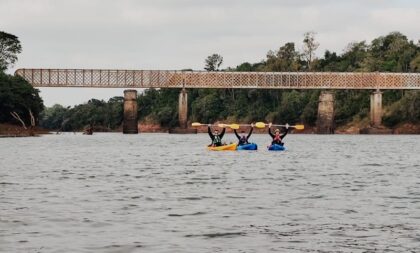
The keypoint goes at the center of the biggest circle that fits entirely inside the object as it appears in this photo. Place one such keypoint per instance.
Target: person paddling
(216, 138)
(243, 139)
(277, 136)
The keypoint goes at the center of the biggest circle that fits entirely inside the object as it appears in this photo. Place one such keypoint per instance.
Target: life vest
(217, 139)
(243, 140)
(277, 138)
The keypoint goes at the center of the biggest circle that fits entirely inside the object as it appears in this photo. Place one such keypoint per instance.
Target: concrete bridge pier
(376, 109)
(183, 115)
(183, 109)
(130, 125)
(325, 119)
(376, 126)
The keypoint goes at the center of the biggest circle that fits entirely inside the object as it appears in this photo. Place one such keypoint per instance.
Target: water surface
(167, 193)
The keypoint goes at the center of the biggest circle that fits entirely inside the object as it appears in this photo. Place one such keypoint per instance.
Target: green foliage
(17, 95)
(415, 63)
(98, 113)
(285, 59)
(407, 109)
(291, 107)
(213, 62)
(391, 53)
(10, 47)
(53, 117)
(208, 108)
(351, 103)
(248, 67)
(159, 105)
(310, 112)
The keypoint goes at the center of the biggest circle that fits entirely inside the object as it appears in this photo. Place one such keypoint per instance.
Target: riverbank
(9, 130)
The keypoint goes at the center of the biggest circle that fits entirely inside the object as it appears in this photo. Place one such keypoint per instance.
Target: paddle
(263, 125)
(233, 126)
(197, 124)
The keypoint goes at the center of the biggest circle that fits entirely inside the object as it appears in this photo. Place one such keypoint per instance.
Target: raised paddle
(233, 126)
(263, 125)
(197, 124)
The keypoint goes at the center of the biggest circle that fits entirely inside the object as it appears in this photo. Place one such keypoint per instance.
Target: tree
(285, 59)
(309, 48)
(391, 53)
(9, 48)
(213, 62)
(17, 95)
(244, 67)
(54, 117)
(415, 64)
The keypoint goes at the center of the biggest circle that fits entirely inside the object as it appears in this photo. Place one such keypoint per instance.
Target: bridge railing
(99, 78)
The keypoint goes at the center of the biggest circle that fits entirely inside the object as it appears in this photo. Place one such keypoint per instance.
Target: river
(167, 193)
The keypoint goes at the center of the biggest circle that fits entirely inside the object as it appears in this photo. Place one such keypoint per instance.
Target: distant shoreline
(9, 131)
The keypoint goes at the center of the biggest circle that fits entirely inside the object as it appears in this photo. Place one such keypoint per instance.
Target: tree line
(390, 53)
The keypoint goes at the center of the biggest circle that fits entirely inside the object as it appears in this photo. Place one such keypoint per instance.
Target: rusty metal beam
(102, 78)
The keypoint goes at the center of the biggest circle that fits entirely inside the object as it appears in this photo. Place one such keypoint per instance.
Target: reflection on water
(167, 193)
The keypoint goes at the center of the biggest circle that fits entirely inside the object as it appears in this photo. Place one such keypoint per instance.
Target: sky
(180, 34)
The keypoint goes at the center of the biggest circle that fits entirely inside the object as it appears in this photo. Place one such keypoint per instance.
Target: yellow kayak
(229, 147)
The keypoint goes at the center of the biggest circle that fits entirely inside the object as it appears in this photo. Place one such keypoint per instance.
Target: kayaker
(243, 139)
(277, 136)
(216, 138)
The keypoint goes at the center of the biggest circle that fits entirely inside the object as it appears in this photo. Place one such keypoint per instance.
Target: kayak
(276, 147)
(250, 146)
(229, 147)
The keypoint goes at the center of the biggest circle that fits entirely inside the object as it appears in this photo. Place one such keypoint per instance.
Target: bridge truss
(98, 78)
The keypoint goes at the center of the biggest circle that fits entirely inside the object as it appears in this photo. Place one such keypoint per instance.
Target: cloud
(397, 19)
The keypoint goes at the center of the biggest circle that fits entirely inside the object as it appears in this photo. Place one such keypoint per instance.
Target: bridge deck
(98, 78)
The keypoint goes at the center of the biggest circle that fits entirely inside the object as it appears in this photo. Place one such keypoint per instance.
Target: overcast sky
(178, 34)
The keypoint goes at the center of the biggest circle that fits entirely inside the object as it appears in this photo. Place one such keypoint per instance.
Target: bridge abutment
(325, 119)
(130, 120)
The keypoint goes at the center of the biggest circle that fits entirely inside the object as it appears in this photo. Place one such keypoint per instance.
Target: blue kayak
(276, 147)
(250, 146)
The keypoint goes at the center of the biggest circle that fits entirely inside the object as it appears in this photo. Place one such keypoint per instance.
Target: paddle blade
(260, 124)
(234, 126)
(299, 127)
(196, 124)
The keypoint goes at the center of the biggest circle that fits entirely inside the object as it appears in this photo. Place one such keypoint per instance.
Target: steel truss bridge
(104, 78)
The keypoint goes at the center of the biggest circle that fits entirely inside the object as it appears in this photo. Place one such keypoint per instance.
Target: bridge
(97, 78)
(105, 78)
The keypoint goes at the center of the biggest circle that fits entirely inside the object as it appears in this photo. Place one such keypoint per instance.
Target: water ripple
(134, 193)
